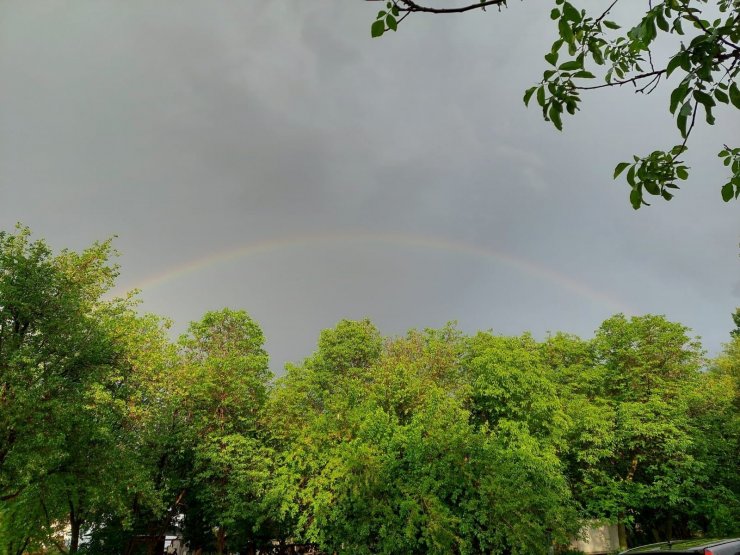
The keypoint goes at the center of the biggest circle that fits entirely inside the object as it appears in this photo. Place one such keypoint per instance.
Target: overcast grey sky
(398, 178)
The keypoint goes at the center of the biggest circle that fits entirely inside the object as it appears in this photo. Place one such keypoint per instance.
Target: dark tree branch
(10, 496)
(412, 6)
(706, 31)
(606, 12)
(654, 74)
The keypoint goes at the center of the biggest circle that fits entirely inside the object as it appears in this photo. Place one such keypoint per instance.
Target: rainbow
(525, 266)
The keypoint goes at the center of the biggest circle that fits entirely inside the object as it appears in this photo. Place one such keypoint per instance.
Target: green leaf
(676, 61)
(570, 13)
(704, 98)
(391, 22)
(571, 65)
(377, 29)
(652, 187)
(554, 14)
(620, 168)
(682, 122)
(541, 96)
(636, 198)
(596, 53)
(682, 173)
(631, 176)
(611, 25)
(565, 31)
(661, 21)
(552, 58)
(678, 94)
(735, 95)
(528, 95)
(683, 118)
(727, 192)
(554, 113)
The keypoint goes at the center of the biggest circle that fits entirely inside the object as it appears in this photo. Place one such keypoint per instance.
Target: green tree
(59, 364)
(631, 395)
(226, 380)
(704, 64)
(510, 386)
(151, 431)
(718, 443)
(394, 454)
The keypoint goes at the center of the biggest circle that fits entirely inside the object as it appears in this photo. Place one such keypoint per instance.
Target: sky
(270, 156)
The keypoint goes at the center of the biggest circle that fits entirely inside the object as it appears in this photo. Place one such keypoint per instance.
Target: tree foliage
(113, 435)
(225, 376)
(703, 66)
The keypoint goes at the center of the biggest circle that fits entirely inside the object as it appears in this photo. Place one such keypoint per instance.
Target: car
(730, 546)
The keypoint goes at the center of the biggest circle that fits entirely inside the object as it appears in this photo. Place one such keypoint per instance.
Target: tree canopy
(113, 435)
(593, 51)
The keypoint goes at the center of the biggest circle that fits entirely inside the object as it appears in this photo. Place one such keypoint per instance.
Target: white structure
(598, 540)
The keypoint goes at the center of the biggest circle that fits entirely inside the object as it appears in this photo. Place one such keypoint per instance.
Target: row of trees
(434, 442)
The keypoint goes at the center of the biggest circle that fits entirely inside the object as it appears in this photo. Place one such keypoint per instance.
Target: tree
(634, 397)
(85, 403)
(225, 374)
(408, 449)
(718, 442)
(151, 431)
(59, 369)
(704, 63)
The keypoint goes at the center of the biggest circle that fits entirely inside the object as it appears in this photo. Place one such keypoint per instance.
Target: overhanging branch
(413, 6)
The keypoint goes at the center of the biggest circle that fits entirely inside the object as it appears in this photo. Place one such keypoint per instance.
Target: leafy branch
(708, 57)
(388, 19)
(710, 62)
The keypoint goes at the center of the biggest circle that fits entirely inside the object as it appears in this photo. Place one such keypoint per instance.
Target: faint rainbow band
(394, 239)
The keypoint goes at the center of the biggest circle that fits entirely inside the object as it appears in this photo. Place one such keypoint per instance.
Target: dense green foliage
(701, 37)
(433, 442)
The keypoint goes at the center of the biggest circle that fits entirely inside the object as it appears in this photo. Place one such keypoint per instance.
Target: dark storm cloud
(190, 129)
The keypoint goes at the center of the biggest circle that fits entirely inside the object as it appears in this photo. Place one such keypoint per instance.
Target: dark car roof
(682, 546)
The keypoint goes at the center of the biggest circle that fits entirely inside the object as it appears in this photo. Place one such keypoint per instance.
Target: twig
(606, 12)
(688, 132)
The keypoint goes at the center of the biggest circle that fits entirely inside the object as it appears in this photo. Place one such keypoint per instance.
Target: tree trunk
(159, 547)
(74, 531)
(621, 529)
(622, 533)
(669, 529)
(22, 549)
(220, 540)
